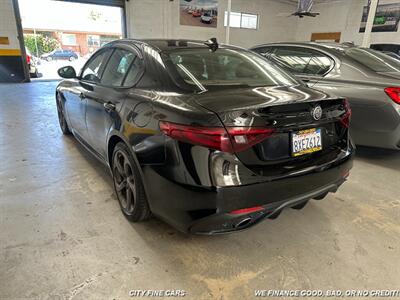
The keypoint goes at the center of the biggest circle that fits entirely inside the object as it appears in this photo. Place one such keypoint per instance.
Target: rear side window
(302, 61)
(117, 67)
(264, 51)
(134, 72)
(374, 60)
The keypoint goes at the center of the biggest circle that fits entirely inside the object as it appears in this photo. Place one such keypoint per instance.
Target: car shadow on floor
(383, 157)
(97, 165)
(156, 227)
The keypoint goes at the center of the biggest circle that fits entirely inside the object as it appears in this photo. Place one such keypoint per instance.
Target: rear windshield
(374, 60)
(224, 68)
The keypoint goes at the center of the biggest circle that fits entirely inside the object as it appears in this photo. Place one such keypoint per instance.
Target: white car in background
(206, 18)
(32, 63)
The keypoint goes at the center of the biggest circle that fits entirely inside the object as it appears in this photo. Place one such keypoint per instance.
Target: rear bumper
(207, 210)
(376, 126)
(384, 139)
(225, 222)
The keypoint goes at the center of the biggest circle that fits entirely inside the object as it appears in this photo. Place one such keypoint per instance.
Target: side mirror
(67, 72)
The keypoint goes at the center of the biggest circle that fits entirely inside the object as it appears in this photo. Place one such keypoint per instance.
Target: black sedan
(210, 138)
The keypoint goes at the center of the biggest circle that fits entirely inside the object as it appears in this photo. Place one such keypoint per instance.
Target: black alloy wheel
(128, 185)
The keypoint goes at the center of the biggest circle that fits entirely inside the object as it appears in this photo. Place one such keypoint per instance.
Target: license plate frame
(306, 141)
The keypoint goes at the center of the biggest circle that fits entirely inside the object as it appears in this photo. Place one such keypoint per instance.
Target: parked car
(32, 64)
(369, 79)
(210, 138)
(60, 54)
(392, 54)
(206, 18)
(196, 14)
(395, 48)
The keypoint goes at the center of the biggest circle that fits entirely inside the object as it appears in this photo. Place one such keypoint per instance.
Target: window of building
(241, 20)
(104, 39)
(93, 40)
(69, 39)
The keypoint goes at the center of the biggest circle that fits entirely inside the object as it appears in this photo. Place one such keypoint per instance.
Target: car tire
(61, 116)
(300, 206)
(34, 75)
(128, 185)
(72, 58)
(49, 58)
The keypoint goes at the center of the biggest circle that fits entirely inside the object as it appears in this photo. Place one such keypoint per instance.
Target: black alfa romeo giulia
(210, 138)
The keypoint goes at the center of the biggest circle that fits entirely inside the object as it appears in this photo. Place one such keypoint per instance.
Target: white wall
(8, 27)
(274, 25)
(160, 19)
(342, 16)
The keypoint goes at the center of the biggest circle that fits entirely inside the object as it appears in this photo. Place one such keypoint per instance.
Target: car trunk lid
(286, 111)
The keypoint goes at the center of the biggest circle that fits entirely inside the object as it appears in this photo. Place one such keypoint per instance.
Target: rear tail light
(28, 59)
(244, 138)
(345, 120)
(393, 93)
(231, 139)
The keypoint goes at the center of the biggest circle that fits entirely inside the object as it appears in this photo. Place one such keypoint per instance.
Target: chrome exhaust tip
(243, 222)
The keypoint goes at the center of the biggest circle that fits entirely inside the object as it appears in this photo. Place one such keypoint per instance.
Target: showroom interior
(62, 232)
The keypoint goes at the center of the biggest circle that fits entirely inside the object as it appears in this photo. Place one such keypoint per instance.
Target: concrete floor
(62, 235)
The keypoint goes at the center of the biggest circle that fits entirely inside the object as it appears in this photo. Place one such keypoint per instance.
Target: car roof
(170, 44)
(319, 45)
(385, 44)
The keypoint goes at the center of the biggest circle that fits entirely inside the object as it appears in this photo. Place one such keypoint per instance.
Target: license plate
(306, 141)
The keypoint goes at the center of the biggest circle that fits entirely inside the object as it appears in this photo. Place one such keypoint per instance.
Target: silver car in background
(369, 79)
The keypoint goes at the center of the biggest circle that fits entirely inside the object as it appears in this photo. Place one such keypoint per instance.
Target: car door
(58, 54)
(54, 54)
(75, 97)
(105, 99)
(64, 54)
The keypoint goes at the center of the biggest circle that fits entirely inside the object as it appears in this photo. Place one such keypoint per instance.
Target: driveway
(48, 69)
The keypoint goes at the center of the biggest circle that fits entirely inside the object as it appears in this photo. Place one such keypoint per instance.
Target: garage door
(119, 3)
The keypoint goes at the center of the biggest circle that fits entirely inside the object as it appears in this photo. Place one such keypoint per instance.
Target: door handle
(109, 106)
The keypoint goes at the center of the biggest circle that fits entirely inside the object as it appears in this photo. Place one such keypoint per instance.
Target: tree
(44, 43)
